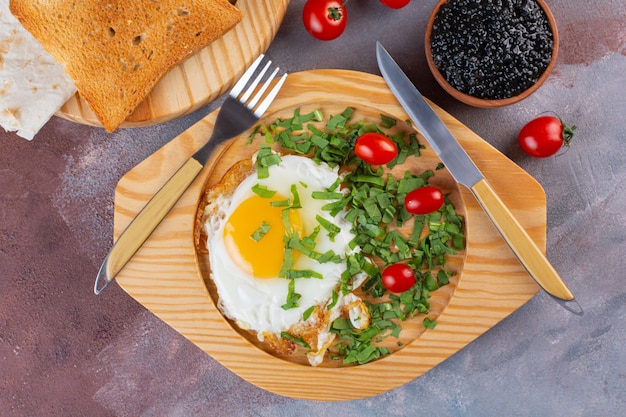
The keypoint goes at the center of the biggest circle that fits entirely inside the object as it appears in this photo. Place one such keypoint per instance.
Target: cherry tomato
(324, 19)
(544, 136)
(395, 4)
(375, 148)
(423, 200)
(398, 277)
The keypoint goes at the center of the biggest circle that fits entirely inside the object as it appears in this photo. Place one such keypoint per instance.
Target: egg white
(255, 303)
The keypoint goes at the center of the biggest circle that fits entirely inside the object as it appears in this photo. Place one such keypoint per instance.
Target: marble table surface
(67, 352)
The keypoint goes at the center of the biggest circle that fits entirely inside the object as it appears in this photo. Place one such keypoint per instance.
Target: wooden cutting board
(165, 275)
(203, 77)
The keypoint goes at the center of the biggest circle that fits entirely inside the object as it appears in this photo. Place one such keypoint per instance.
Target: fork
(238, 113)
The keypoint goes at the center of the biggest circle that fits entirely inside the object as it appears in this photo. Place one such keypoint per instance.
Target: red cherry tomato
(423, 200)
(395, 4)
(375, 148)
(398, 277)
(324, 19)
(544, 136)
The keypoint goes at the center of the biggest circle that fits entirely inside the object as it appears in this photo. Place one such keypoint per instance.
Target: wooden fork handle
(520, 242)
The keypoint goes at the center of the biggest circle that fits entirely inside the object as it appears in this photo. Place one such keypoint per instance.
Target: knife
(465, 172)
(239, 112)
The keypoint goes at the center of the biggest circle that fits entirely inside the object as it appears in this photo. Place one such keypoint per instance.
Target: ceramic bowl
(485, 102)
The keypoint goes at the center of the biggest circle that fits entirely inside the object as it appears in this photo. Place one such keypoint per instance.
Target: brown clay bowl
(482, 102)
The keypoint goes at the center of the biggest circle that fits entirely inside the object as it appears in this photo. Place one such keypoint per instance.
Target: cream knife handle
(142, 226)
(520, 242)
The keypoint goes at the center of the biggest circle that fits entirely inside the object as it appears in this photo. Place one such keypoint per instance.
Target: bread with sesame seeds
(116, 51)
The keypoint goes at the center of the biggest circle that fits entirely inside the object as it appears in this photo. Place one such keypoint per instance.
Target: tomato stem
(335, 12)
(568, 133)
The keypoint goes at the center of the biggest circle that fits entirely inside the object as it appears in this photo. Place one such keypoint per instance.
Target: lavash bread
(33, 86)
(116, 51)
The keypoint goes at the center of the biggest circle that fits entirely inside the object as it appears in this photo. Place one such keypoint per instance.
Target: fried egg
(246, 235)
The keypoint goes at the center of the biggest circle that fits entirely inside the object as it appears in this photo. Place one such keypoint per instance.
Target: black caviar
(491, 49)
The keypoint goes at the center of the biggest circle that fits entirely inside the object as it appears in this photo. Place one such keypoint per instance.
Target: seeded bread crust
(117, 51)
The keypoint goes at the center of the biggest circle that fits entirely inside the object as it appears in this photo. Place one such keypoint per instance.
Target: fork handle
(142, 226)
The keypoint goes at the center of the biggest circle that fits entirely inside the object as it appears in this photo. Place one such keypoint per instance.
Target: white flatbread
(33, 86)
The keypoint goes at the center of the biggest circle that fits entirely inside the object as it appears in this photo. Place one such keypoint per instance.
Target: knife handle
(142, 226)
(520, 242)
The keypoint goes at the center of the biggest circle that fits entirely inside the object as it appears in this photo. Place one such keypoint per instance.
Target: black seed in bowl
(491, 49)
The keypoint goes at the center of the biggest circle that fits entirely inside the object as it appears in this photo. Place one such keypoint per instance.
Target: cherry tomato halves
(395, 4)
(375, 148)
(544, 136)
(423, 200)
(398, 277)
(324, 19)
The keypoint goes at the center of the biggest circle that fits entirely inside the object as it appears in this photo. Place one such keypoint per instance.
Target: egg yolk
(262, 258)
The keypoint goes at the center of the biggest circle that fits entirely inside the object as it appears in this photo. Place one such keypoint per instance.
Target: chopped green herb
(303, 273)
(331, 228)
(296, 197)
(292, 296)
(317, 115)
(428, 323)
(309, 241)
(335, 298)
(370, 179)
(265, 158)
(287, 263)
(297, 340)
(387, 121)
(335, 184)
(330, 256)
(326, 195)
(374, 204)
(261, 231)
(307, 313)
(336, 122)
(263, 191)
(280, 203)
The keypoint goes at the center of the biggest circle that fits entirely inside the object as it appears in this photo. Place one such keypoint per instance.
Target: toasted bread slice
(117, 51)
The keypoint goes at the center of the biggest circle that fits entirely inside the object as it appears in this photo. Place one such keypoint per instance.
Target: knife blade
(465, 172)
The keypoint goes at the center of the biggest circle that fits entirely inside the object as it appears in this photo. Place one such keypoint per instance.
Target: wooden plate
(203, 77)
(165, 275)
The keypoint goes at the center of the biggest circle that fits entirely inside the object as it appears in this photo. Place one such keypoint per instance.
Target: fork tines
(246, 77)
